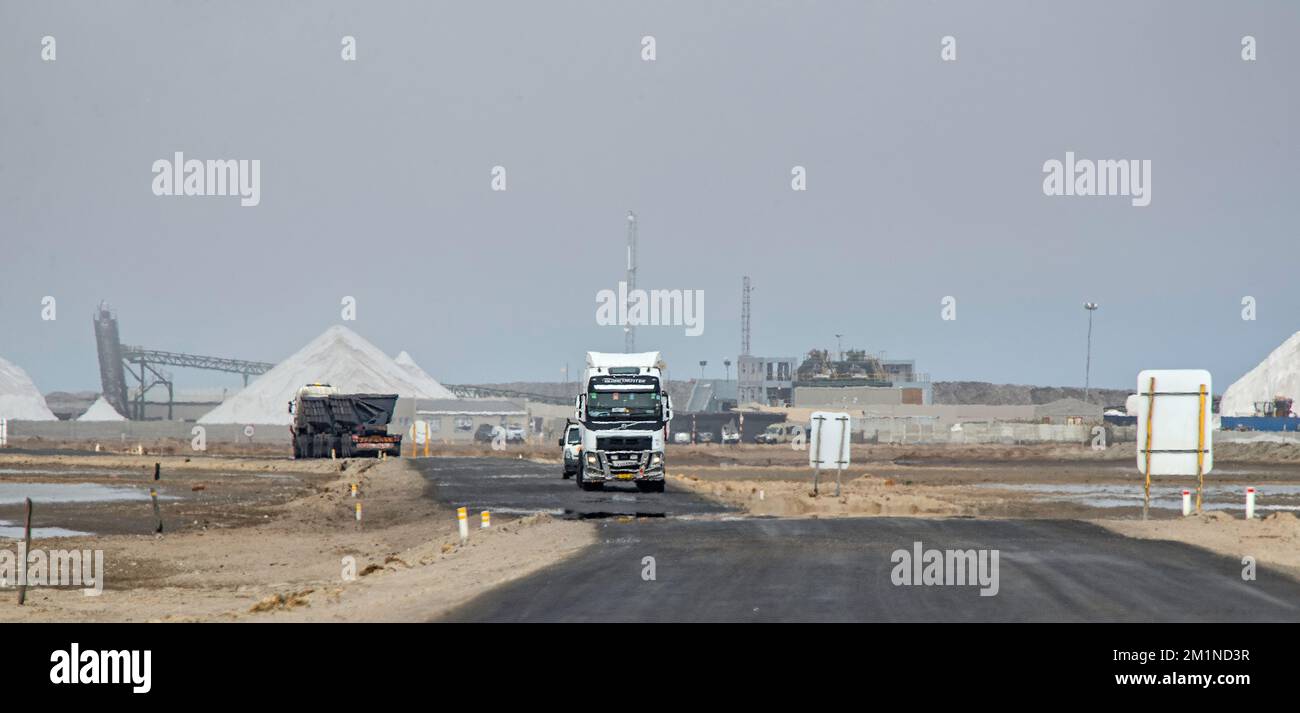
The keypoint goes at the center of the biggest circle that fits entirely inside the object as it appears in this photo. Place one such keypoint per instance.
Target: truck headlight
(656, 459)
(591, 460)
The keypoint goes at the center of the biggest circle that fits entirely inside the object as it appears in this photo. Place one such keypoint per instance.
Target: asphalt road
(759, 569)
(518, 487)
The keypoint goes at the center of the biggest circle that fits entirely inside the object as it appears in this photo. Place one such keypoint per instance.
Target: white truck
(623, 414)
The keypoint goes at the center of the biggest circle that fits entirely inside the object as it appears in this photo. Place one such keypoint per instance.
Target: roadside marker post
(153, 494)
(1187, 502)
(1250, 503)
(1175, 438)
(486, 520)
(27, 548)
(358, 509)
(354, 490)
(462, 520)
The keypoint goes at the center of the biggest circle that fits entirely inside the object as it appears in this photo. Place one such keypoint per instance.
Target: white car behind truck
(571, 442)
(623, 414)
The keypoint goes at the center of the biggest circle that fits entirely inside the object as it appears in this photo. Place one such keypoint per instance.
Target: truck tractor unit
(327, 423)
(623, 414)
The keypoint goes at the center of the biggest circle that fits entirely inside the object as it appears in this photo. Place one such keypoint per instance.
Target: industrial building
(456, 420)
(768, 381)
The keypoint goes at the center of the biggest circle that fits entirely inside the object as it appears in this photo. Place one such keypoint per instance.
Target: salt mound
(339, 357)
(101, 410)
(1277, 375)
(19, 397)
(405, 361)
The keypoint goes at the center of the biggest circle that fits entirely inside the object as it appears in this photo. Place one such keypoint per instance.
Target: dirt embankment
(1273, 540)
(307, 559)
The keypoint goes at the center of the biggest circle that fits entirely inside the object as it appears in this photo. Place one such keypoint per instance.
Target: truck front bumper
(603, 466)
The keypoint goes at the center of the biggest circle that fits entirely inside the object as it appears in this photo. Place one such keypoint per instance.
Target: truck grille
(623, 443)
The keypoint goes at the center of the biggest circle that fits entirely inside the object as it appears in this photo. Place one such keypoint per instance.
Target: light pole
(702, 365)
(726, 364)
(1087, 367)
(839, 348)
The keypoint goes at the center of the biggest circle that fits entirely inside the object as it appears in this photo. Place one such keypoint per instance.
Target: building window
(464, 423)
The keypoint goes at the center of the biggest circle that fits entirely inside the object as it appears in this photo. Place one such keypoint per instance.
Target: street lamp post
(1087, 368)
(726, 364)
(702, 365)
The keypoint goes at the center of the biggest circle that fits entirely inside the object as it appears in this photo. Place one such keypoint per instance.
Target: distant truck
(327, 423)
(623, 414)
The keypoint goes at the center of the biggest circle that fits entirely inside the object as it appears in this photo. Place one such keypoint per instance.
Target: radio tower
(629, 331)
(744, 319)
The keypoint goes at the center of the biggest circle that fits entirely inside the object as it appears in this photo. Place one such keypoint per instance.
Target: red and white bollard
(1187, 503)
(1250, 503)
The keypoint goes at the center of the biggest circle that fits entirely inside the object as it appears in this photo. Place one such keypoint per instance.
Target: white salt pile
(19, 397)
(1277, 375)
(405, 361)
(339, 357)
(101, 410)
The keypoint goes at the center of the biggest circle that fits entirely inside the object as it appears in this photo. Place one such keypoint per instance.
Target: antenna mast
(629, 331)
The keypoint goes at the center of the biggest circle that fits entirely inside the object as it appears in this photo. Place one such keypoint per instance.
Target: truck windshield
(574, 436)
(621, 404)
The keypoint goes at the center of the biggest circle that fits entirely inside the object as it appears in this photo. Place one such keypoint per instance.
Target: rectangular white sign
(828, 440)
(1178, 420)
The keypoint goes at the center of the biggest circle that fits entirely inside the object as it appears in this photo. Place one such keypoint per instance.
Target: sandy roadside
(1273, 540)
(407, 559)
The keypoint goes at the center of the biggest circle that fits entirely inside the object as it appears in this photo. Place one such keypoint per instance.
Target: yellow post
(1200, 451)
(1151, 414)
(427, 434)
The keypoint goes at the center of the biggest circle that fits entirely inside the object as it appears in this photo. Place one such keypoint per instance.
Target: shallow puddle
(1268, 498)
(14, 493)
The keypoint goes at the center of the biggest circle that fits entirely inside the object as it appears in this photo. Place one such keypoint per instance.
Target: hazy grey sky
(924, 180)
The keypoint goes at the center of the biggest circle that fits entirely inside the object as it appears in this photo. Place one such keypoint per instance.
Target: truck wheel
(582, 481)
(650, 486)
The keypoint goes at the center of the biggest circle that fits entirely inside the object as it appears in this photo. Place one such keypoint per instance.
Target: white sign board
(828, 440)
(419, 431)
(1178, 420)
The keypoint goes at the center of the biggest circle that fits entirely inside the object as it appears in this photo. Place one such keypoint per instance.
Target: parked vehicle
(571, 442)
(514, 433)
(780, 433)
(682, 437)
(730, 437)
(484, 432)
(704, 436)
